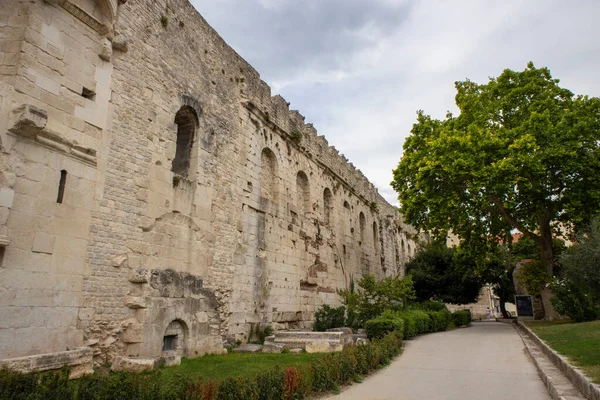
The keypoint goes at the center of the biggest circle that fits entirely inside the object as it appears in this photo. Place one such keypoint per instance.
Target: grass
(580, 342)
(237, 364)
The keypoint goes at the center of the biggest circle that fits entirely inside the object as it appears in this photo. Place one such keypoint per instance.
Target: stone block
(323, 346)
(135, 302)
(7, 196)
(28, 120)
(249, 348)
(345, 331)
(79, 359)
(43, 243)
(170, 360)
(270, 347)
(132, 364)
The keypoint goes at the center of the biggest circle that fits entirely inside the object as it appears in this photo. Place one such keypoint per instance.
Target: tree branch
(509, 218)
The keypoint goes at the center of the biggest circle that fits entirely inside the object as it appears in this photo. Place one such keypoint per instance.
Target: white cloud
(359, 72)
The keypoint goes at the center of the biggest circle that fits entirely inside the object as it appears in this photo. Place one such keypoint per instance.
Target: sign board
(524, 306)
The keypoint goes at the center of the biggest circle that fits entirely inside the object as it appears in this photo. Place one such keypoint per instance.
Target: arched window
(175, 337)
(347, 220)
(303, 192)
(362, 222)
(375, 237)
(268, 174)
(187, 122)
(327, 205)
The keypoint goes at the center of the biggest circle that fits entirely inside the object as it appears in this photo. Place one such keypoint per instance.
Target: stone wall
(104, 245)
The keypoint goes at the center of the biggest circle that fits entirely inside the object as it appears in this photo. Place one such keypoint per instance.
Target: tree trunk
(505, 314)
(547, 259)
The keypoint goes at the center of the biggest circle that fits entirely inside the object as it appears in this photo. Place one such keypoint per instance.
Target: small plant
(261, 333)
(164, 21)
(373, 207)
(176, 180)
(328, 317)
(296, 136)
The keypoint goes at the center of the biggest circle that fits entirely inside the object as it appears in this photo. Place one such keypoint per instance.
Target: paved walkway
(486, 361)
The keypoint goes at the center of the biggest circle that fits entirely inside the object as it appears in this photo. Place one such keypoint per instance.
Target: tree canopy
(522, 154)
(437, 277)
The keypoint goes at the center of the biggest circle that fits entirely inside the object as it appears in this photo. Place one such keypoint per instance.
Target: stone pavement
(486, 361)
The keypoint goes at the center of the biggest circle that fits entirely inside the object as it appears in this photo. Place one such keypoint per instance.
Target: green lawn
(580, 342)
(238, 364)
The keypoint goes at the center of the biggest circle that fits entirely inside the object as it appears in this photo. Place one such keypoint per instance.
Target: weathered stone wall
(262, 222)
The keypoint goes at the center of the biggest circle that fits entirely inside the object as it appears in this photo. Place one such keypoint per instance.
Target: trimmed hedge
(462, 318)
(325, 374)
(377, 328)
(408, 323)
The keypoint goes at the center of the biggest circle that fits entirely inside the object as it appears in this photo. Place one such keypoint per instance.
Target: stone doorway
(175, 338)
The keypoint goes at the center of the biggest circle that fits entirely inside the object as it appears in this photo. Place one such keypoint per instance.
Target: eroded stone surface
(323, 346)
(132, 364)
(190, 195)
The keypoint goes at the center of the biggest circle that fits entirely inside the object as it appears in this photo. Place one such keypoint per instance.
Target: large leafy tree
(436, 276)
(522, 154)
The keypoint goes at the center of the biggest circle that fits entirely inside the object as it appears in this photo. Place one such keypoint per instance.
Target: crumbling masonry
(154, 196)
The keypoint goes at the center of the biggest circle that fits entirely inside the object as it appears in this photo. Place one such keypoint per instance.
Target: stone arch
(403, 248)
(175, 338)
(375, 237)
(362, 224)
(268, 174)
(327, 205)
(347, 219)
(303, 193)
(186, 120)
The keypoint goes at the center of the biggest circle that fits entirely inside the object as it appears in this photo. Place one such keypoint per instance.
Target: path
(486, 361)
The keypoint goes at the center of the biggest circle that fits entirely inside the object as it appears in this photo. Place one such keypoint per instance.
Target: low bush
(328, 317)
(408, 324)
(324, 374)
(461, 318)
(440, 320)
(377, 328)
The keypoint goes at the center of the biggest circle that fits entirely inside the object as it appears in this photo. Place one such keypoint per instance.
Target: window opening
(187, 122)
(169, 342)
(61, 186)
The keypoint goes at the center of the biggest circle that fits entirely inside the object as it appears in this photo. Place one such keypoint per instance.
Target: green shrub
(462, 318)
(569, 299)
(347, 365)
(430, 305)
(328, 317)
(271, 384)
(325, 374)
(440, 320)
(379, 327)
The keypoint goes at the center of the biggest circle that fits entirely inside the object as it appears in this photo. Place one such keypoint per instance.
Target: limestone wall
(260, 224)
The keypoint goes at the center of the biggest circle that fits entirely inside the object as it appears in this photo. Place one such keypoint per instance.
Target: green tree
(493, 263)
(436, 277)
(577, 289)
(522, 154)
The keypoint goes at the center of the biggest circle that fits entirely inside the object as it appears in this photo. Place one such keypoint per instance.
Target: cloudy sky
(359, 70)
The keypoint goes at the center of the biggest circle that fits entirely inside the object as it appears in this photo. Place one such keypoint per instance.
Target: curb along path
(562, 380)
(486, 361)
